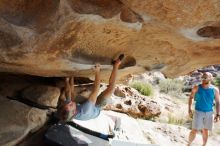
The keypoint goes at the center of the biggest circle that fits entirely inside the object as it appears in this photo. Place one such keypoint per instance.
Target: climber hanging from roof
(89, 109)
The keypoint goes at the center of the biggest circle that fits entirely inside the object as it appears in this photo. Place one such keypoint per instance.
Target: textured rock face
(43, 95)
(17, 120)
(66, 37)
(129, 101)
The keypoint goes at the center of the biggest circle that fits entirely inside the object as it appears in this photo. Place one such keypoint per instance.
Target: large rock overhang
(66, 37)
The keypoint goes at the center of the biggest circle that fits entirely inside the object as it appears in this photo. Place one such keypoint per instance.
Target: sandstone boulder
(66, 37)
(119, 92)
(128, 100)
(42, 94)
(11, 85)
(17, 120)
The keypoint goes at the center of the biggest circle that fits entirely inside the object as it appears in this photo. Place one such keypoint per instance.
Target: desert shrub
(216, 81)
(172, 87)
(143, 88)
(175, 121)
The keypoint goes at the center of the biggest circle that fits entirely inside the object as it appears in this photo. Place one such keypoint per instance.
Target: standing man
(204, 94)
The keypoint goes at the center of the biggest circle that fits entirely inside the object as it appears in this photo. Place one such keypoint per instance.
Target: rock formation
(130, 101)
(17, 120)
(66, 37)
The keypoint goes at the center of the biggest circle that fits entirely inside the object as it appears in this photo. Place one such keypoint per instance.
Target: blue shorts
(87, 111)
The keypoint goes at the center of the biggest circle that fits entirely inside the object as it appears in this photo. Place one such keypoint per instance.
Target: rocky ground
(159, 116)
(172, 135)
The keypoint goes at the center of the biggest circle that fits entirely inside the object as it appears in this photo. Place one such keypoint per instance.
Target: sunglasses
(205, 78)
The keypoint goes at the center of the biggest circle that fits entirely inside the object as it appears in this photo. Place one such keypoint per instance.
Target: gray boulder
(17, 120)
(42, 94)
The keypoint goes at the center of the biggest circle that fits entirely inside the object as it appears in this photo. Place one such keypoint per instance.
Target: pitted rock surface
(66, 37)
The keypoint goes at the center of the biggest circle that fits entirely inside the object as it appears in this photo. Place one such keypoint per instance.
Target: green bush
(143, 88)
(216, 81)
(175, 121)
(172, 87)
